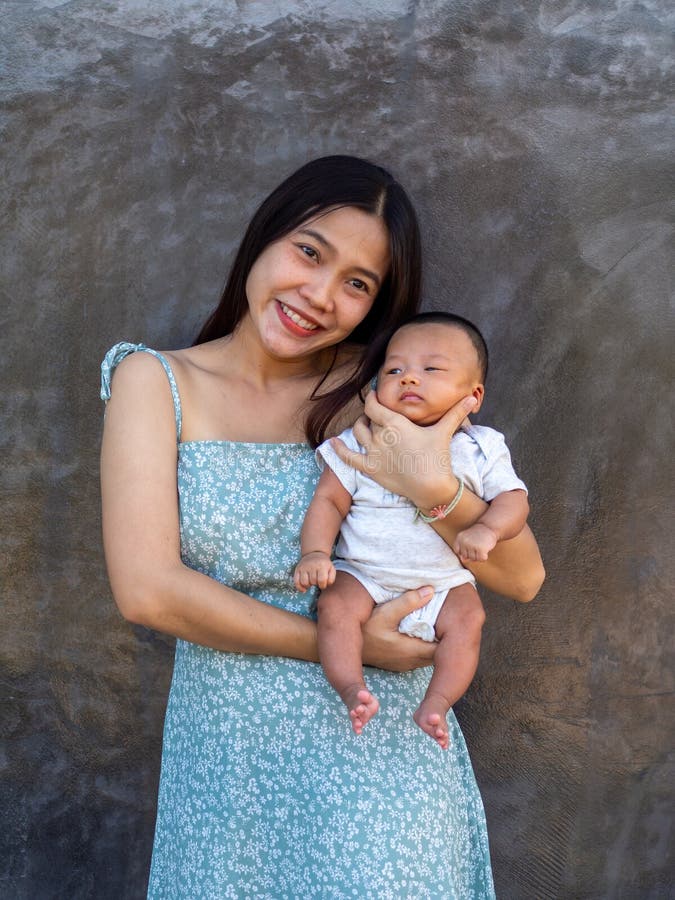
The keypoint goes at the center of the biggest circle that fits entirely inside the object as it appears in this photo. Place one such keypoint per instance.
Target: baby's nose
(409, 377)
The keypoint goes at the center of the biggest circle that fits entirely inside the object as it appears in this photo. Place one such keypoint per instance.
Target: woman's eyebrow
(317, 237)
(322, 240)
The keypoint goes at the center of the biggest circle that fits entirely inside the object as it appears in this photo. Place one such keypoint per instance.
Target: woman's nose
(319, 293)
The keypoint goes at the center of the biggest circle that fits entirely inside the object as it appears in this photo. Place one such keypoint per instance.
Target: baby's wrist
(493, 531)
(312, 552)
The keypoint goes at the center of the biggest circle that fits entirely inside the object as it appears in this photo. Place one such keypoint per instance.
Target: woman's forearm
(514, 568)
(191, 606)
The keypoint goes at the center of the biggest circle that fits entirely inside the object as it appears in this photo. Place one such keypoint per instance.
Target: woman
(206, 475)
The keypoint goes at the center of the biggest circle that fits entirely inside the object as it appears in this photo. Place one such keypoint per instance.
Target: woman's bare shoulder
(139, 371)
(140, 409)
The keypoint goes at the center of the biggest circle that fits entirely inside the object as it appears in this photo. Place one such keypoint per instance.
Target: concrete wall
(534, 139)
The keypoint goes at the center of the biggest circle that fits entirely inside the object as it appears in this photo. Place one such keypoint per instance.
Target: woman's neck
(262, 370)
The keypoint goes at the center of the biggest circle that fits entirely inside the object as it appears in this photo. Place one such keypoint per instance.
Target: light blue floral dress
(265, 791)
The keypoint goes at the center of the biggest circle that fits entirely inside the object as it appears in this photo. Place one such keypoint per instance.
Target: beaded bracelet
(440, 512)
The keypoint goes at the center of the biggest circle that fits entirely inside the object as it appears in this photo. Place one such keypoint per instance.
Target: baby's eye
(395, 371)
(431, 369)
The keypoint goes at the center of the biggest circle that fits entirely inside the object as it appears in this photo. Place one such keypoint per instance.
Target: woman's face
(312, 287)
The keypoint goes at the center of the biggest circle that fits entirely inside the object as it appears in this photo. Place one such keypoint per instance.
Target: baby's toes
(356, 720)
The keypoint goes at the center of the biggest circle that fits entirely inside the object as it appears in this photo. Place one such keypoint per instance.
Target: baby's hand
(314, 568)
(475, 543)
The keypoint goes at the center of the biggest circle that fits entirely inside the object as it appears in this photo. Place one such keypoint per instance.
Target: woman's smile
(294, 321)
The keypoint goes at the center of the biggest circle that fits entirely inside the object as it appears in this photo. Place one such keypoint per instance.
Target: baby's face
(428, 369)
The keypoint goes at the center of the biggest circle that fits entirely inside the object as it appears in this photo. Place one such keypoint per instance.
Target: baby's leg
(458, 629)
(343, 608)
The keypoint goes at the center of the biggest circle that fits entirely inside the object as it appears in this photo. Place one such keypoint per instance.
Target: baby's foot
(430, 716)
(362, 706)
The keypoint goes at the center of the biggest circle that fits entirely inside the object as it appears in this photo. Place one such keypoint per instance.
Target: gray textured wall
(534, 139)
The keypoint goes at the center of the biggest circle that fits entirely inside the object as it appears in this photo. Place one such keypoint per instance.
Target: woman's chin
(289, 347)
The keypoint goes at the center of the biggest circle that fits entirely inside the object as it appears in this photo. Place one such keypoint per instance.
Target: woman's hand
(383, 644)
(405, 458)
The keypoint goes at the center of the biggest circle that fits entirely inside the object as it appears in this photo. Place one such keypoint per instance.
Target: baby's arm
(328, 508)
(504, 518)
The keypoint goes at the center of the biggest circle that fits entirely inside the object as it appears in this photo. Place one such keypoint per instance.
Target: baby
(386, 546)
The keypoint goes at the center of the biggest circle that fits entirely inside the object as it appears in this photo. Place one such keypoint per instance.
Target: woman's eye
(309, 251)
(359, 285)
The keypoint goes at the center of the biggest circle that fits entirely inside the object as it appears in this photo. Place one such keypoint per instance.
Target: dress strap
(114, 357)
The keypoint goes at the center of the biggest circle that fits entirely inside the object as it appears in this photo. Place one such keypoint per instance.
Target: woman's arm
(513, 569)
(150, 583)
(505, 518)
(415, 462)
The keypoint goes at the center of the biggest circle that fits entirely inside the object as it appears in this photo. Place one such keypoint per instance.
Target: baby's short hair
(446, 318)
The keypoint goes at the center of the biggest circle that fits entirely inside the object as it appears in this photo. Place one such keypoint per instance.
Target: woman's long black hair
(323, 184)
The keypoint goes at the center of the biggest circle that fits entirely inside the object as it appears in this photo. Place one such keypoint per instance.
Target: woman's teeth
(303, 323)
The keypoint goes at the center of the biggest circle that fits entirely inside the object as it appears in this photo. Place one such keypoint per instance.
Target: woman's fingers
(378, 434)
(394, 610)
(350, 457)
(402, 457)
(362, 432)
(450, 422)
(378, 414)
(384, 646)
(390, 428)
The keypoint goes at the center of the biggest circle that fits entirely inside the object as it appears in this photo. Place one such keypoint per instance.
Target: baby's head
(432, 362)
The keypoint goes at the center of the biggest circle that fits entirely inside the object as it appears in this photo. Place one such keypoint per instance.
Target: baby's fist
(475, 543)
(315, 568)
